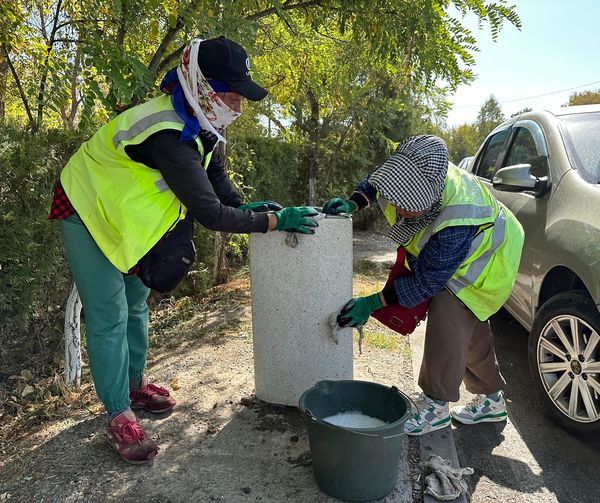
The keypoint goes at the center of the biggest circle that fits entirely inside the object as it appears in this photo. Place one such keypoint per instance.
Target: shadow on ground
(540, 456)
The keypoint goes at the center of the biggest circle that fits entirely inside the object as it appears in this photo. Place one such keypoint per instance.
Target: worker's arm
(180, 164)
(364, 195)
(441, 256)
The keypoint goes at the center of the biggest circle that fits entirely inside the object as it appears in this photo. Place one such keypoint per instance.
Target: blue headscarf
(170, 85)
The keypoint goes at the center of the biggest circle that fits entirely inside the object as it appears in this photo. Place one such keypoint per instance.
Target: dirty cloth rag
(442, 481)
(335, 328)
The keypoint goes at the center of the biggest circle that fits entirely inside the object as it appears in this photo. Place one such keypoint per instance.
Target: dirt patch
(219, 444)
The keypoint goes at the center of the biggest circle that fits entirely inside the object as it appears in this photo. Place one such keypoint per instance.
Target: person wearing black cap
(126, 201)
(462, 247)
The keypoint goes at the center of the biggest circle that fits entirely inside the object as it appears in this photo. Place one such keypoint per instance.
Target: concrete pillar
(298, 281)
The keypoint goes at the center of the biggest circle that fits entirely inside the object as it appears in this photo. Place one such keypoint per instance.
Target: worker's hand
(261, 206)
(357, 311)
(295, 219)
(337, 205)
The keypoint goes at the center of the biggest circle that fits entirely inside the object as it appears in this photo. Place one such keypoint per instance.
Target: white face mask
(212, 113)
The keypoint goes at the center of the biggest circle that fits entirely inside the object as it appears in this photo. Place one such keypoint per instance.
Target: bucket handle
(312, 417)
(404, 395)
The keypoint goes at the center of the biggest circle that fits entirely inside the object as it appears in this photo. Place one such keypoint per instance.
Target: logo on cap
(248, 66)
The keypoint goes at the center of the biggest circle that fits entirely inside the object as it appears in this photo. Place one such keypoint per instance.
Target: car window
(522, 151)
(582, 139)
(493, 150)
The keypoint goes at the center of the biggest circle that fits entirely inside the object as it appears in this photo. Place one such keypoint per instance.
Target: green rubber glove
(261, 206)
(337, 205)
(357, 311)
(294, 219)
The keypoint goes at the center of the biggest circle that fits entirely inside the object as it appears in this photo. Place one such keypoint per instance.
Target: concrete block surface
(297, 282)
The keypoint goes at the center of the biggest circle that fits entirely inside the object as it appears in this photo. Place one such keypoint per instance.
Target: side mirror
(518, 178)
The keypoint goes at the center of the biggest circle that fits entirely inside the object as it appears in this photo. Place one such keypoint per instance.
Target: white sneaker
(431, 416)
(481, 409)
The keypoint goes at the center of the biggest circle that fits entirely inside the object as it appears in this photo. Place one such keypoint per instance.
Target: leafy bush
(269, 168)
(34, 277)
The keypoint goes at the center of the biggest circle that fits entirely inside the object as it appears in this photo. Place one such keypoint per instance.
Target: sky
(557, 49)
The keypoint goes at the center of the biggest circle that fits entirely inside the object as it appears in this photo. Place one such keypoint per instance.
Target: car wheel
(564, 359)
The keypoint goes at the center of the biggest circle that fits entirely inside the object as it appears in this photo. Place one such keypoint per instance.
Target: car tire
(564, 368)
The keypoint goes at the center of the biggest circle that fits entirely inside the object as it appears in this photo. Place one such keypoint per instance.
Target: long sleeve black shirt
(208, 193)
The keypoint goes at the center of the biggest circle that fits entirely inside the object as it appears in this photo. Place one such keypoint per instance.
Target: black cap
(223, 59)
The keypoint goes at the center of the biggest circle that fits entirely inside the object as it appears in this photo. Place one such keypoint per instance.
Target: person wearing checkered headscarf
(463, 250)
(413, 179)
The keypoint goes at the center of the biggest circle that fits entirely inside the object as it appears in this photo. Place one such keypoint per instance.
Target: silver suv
(545, 166)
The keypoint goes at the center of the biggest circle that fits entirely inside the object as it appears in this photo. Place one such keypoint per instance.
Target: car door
(523, 143)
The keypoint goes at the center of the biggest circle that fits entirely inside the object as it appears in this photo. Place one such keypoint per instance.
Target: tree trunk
(220, 270)
(45, 67)
(221, 238)
(3, 78)
(312, 154)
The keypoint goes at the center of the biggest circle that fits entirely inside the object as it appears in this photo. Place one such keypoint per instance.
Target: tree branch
(275, 120)
(169, 36)
(121, 24)
(42, 90)
(75, 74)
(168, 59)
(286, 6)
(331, 162)
(19, 86)
(75, 21)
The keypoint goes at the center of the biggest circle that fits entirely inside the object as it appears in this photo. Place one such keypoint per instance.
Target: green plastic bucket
(355, 464)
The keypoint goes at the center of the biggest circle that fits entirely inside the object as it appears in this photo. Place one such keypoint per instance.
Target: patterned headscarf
(413, 179)
(211, 112)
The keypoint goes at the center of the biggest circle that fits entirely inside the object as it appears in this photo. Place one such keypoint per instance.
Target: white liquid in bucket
(355, 419)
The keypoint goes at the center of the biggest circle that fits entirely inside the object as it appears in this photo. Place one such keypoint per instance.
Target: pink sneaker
(130, 440)
(151, 398)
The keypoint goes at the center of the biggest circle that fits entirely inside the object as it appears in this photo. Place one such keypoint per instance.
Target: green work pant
(116, 316)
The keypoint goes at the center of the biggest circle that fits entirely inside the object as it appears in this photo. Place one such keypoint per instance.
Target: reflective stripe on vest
(145, 123)
(463, 212)
(126, 206)
(455, 285)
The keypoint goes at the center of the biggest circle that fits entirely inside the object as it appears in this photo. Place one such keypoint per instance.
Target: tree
(68, 53)
(489, 116)
(588, 97)
(462, 141)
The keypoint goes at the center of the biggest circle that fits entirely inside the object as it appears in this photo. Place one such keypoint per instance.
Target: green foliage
(269, 169)
(34, 278)
(587, 97)
(462, 141)
(489, 116)
(347, 80)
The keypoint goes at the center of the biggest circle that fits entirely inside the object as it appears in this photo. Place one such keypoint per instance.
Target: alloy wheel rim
(568, 362)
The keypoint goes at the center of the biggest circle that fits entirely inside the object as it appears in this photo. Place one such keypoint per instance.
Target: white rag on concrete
(442, 481)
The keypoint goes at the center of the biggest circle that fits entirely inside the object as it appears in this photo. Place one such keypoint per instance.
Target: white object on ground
(442, 481)
(354, 419)
(73, 339)
(294, 291)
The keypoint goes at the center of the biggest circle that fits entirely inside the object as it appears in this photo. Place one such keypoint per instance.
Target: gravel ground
(219, 443)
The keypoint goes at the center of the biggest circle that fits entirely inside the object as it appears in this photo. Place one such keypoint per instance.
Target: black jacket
(207, 193)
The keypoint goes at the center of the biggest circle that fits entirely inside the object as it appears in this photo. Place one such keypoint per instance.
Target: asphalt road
(529, 458)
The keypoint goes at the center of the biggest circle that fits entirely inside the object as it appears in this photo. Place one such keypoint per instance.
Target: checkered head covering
(413, 179)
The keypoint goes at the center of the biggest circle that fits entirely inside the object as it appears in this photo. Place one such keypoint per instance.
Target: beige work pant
(458, 347)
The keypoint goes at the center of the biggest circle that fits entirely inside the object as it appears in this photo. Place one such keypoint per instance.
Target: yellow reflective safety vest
(126, 206)
(485, 278)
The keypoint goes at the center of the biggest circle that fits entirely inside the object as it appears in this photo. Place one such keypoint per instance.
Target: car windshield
(582, 139)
